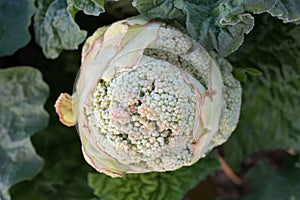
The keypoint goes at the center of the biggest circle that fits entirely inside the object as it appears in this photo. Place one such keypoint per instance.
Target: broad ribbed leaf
(64, 176)
(152, 186)
(271, 102)
(22, 95)
(268, 183)
(288, 11)
(14, 22)
(218, 24)
(55, 29)
(215, 24)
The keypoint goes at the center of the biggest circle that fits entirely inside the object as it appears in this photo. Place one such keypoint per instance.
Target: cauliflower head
(149, 98)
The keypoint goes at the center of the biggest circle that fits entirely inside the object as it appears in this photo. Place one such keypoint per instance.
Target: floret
(146, 116)
(149, 98)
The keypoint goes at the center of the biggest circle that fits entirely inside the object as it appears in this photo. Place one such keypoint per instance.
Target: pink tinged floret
(132, 109)
(134, 136)
(144, 110)
(119, 116)
(105, 103)
(132, 100)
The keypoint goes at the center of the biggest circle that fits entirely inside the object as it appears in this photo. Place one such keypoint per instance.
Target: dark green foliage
(14, 22)
(271, 102)
(266, 182)
(153, 186)
(22, 97)
(219, 24)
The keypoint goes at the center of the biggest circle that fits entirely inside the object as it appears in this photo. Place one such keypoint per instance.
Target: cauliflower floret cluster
(149, 98)
(146, 116)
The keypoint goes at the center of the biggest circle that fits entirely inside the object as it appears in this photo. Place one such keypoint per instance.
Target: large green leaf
(22, 95)
(268, 183)
(64, 175)
(152, 186)
(271, 102)
(55, 28)
(14, 21)
(287, 11)
(215, 24)
(219, 24)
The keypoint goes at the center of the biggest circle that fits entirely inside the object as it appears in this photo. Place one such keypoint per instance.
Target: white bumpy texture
(149, 98)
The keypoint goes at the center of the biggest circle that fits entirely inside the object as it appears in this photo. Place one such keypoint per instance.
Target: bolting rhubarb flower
(149, 98)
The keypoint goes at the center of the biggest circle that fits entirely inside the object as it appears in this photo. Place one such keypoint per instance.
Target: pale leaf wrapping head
(149, 98)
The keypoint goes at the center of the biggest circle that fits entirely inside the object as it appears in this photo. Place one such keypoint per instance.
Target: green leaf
(14, 22)
(64, 174)
(253, 71)
(22, 95)
(215, 24)
(91, 7)
(152, 186)
(55, 28)
(269, 183)
(218, 24)
(165, 9)
(271, 102)
(240, 74)
(288, 11)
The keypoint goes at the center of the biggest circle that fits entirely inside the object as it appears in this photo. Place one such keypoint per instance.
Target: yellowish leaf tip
(63, 107)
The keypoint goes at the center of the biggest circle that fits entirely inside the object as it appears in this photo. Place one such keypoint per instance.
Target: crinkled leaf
(157, 186)
(288, 11)
(14, 21)
(165, 9)
(268, 183)
(89, 7)
(55, 28)
(64, 175)
(217, 24)
(22, 95)
(271, 102)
